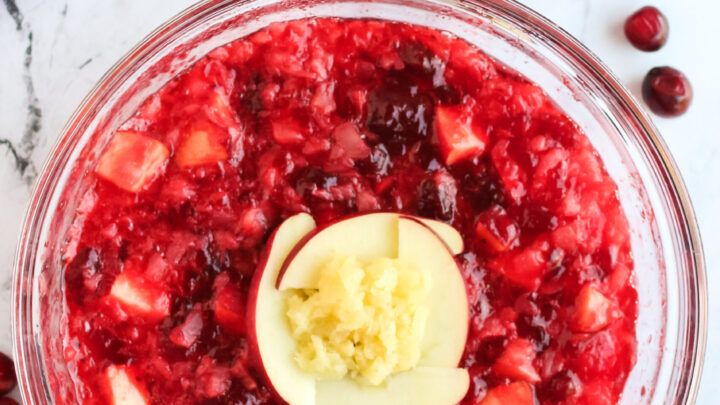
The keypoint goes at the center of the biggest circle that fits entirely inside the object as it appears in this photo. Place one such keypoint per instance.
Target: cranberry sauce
(334, 117)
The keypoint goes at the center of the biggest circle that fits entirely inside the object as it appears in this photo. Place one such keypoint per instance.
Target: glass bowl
(670, 275)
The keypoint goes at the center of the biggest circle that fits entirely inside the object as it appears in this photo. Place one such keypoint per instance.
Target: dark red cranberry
(490, 349)
(437, 196)
(559, 387)
(667, 91)
(647, 29)
(7, 374)
(8, 401)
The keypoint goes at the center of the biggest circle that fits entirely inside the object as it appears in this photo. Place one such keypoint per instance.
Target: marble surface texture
(53, 52)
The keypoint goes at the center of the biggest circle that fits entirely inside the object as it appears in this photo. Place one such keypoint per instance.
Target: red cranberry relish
(333, 117)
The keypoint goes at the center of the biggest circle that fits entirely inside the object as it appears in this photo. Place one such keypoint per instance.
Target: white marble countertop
(53, 52)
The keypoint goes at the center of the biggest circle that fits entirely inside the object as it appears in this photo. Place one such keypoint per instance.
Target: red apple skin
(252, 339)
(320, 228)
(415, 219)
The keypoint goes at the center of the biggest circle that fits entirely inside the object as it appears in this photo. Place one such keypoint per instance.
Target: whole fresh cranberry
(647, 29)
(667, 91)
(7, 374)
(8, 401)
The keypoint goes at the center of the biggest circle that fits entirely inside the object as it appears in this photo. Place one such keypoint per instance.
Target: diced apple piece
(516, 362)
(517, 393)
(219, 109)
(495, 227)
(592, 310)
(124, 389)
(268, 333)
(287, 132)
(228, 309)
(187, 333)
(201, 146)
(448, 318)
(136, 295)
(458, 139)
(348, 138)
(525, 267)
(423, 385)
(132, 161)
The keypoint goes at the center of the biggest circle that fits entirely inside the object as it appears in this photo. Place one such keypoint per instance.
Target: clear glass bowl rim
(686, 372)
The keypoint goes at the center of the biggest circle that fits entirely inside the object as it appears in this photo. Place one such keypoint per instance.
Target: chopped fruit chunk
(187, 333)
(516, 362)
(124, 389)
(219, 110)
(592, 310)
(132, 161)
(138, 296)
(525, 267)
(201, 146)
(286, 131)
(459, 139)
(495, 227)
(517, 393)
(229, 310)
(348, 138)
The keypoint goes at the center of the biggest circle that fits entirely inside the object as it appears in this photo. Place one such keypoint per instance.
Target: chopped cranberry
(437, 197)
(667, 91)
(7, 374)
(561, 386)
(398, 112)
(647, 29)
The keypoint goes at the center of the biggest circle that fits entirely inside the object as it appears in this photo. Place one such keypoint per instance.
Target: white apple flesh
(420, 386)
(269, 335)
(447, 324)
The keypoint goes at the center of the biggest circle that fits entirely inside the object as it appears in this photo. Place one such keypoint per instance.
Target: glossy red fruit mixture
(333, 117)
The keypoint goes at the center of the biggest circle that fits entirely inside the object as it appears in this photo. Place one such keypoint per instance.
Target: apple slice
(268, 333)
(123, 388)
(365, 236)
(132, 161)
(447, 324)
(447, 233)
(423, 385)
(392, 235)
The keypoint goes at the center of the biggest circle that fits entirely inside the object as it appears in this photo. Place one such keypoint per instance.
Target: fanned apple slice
(363, 236)
(447, 233)
(421, 386)
(447, 324)
(268, 333)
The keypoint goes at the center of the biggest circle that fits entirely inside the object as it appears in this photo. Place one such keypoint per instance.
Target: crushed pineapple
(365, 320)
